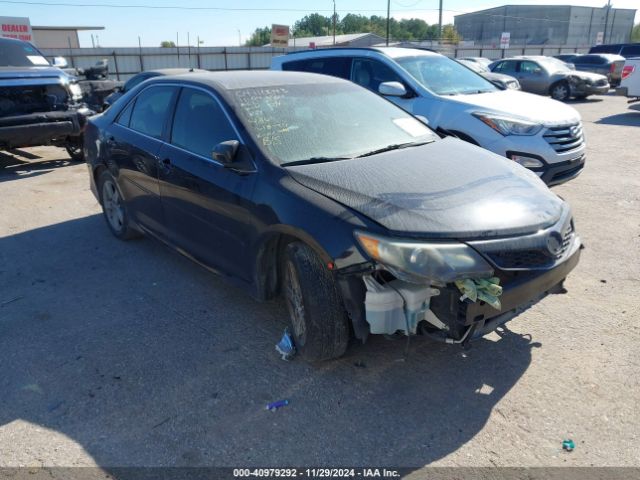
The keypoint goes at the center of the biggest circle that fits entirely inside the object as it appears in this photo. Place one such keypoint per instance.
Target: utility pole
(334, 22)
(440, 23)
(388, 15)
(606, 22)
(239, 38)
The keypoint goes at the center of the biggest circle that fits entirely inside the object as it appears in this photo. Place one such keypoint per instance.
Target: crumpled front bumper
(41, 128)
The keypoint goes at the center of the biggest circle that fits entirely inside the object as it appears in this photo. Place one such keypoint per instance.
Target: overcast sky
(224, 27)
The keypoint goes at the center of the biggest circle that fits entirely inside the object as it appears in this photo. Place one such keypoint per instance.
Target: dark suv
(39, 104)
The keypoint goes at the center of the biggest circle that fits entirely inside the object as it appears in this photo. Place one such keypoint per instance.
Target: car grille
(532, 258)
(565, 138)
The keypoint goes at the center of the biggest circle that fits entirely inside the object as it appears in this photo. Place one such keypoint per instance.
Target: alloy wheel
(113, 208)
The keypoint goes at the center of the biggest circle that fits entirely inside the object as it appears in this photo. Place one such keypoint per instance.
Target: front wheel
(560, 91)
(114, 208)
(318, 319)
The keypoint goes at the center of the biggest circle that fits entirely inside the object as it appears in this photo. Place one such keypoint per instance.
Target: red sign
(16, 27)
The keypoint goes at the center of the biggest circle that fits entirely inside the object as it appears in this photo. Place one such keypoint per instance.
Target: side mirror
(392, 89)
(225, 152)
(60, 62)
(423, 119)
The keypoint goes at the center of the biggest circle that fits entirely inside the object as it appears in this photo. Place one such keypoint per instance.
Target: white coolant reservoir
(394, 305)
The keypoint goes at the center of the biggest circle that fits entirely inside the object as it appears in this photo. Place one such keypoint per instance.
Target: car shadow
(143, 358)
(589, 99)
(22, 169)
(627, 119)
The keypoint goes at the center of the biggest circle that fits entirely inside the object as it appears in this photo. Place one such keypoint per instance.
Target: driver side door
(207, 207)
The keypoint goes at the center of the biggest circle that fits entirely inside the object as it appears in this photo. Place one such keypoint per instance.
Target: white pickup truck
(630, 85)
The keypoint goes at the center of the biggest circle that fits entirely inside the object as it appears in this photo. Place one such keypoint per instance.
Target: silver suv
(538, 133)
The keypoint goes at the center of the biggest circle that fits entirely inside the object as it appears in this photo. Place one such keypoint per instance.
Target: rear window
(605, 49)
(20, 54)
(334, 66)
(630, 51)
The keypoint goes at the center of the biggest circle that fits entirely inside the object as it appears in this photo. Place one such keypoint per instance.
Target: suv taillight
(627, 71)
(612, 68)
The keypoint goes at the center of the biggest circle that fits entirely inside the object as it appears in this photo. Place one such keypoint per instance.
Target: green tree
(450, 34)
(167, 44)
(260, 37)
(314, 25)
(635, 33)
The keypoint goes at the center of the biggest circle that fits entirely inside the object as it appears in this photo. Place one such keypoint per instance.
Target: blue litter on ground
(568, 445)
(285, 346)
(276, 405)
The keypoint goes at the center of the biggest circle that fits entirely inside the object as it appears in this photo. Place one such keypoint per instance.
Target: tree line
(316, 25)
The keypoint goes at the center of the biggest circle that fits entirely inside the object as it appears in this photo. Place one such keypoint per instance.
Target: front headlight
(439, 262)
(76, 91)
(507, 125)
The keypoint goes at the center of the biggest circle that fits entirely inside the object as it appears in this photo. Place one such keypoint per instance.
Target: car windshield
(444, 76)
(20, 54)
(314, 122)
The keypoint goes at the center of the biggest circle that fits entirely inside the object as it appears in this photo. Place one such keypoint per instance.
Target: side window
(125, 116)
(151, 110)
(587, 60)
(506, 67)
(334, 66)
(371, 73)
(199, 123)
(530, 68)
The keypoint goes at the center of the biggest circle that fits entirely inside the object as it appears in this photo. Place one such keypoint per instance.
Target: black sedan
(312, 187)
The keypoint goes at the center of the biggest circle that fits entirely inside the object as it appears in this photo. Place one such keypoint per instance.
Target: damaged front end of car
(455, 292)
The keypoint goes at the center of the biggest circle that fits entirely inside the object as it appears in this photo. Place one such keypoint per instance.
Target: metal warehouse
(547, 25)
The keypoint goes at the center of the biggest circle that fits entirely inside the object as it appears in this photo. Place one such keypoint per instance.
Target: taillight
(612, 68)
(627, 71)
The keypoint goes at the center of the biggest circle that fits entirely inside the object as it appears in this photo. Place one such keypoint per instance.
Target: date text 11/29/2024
(316, 472)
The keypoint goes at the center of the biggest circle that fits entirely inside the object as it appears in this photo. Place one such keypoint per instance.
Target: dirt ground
(126, 354)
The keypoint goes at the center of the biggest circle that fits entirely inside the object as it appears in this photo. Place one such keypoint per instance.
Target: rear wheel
(114, 208)
(560, 91)
(318, 319)
(74, 149)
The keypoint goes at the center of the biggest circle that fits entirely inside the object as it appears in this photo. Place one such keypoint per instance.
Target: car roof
(392, 52)
(173, 71)
(239, 79)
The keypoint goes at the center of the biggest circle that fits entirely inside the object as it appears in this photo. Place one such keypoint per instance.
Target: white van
(541, 134)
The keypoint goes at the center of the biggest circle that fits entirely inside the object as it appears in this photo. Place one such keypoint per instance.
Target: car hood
(522, 105)
(14, 73)
(445, 189)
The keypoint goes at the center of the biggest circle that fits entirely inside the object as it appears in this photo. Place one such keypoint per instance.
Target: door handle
(165, 164)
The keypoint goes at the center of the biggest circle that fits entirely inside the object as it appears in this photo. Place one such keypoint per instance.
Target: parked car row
(541, 134)
(603, 63)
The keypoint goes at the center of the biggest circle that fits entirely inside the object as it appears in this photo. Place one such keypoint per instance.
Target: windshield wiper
(309, 161)
(396, 146)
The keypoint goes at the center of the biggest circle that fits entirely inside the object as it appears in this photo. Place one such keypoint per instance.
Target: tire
(560, 91)
(317, 318)
(75, 150)
(114, 207)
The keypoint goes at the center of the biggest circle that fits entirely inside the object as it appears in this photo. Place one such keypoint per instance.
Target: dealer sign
(16, 27)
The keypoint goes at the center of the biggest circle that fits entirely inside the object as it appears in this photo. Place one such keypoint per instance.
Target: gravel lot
(126, 354)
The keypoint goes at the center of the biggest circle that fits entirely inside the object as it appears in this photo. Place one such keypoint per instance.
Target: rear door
(134, 141)
(208, 209)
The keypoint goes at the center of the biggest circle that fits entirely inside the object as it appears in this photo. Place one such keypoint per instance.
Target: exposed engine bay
(26, 99)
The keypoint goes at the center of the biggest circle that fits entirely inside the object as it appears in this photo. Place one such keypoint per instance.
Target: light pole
(239, 38)
(334, 22)
(388, 14)
(440, 23)
(606, 22)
